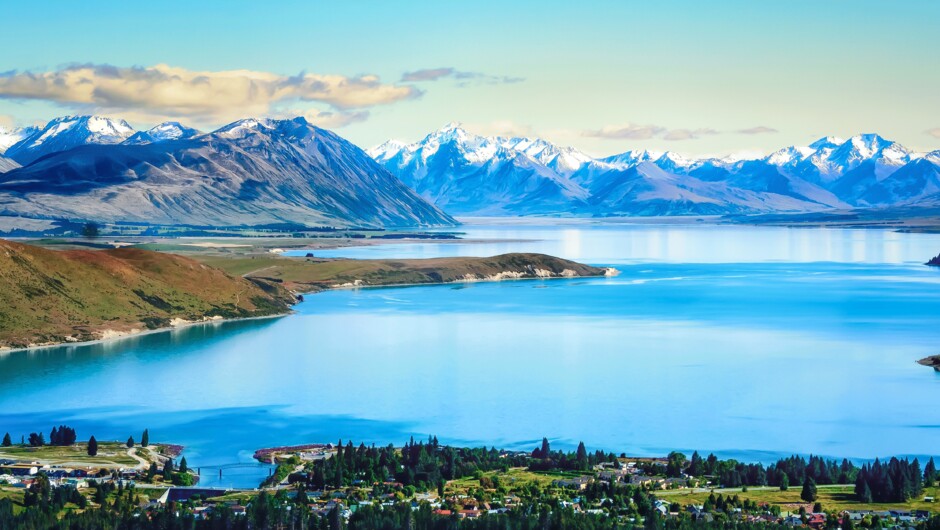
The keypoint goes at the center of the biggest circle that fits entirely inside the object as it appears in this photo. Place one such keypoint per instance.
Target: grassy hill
(49, 296)
(310, 274)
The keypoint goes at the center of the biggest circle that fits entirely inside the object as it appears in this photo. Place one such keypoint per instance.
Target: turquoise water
(750, 342)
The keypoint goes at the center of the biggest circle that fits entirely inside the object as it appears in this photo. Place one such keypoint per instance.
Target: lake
(752, 342)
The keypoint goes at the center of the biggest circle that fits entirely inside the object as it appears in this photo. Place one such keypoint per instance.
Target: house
(580, 483)
(23, 470)
(816, 520)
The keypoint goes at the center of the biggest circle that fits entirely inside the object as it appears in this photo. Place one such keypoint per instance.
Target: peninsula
(50, 297)
(933, 361)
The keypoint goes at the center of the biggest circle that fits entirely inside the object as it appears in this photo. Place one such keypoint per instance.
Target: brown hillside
(49, 296)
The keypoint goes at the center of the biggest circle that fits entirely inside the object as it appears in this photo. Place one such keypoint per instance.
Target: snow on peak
(9, 137)
(789, 155)
(632, 158)
(386, 150)
(827, 142)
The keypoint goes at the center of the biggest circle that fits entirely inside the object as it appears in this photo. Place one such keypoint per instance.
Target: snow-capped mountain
(467, 174)
(68, 132)
(563, 160)
(8, 137)
(830, 173)
(248, 173)
(166, 131)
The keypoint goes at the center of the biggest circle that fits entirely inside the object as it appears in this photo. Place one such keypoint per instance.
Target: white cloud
(463, 78)
(626, 132)
(164, 91)
(760, 129)
(935, 132)
(688, 134)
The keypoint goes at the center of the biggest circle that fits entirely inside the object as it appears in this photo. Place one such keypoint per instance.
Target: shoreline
(132, 335)
(609, 272)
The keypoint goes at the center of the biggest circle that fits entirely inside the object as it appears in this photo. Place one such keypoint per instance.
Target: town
(429, 485)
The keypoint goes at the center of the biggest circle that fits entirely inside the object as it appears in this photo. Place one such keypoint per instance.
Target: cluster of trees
(543, 458)
(423, 465)
(896, 481)
(785, 472)
(62, 435)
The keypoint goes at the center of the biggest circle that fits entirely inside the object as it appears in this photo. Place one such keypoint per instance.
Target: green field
(109, 454)
(514, 478)
(834, 498)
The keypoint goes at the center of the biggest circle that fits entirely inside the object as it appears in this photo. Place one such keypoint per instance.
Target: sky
(692, 76)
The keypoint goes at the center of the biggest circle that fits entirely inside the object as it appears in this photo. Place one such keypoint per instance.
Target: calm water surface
(750, 342)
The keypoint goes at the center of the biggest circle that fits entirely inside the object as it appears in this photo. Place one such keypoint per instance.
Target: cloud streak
(688, 134)
(760, 129)
(626, 132)
(204, 96)
(634, 131)
(935, 132)
(463, 78)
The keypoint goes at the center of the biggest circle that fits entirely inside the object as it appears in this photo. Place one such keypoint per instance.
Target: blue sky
(697, 77)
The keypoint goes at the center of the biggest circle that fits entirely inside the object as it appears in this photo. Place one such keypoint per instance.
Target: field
(110, 454)
(835, 498)
(514, 478)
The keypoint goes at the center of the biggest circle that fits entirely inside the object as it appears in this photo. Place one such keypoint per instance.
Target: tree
(582, 457)
(167, 469)
(37, 439)
(784, 482)
(546, 449)
(809, 493)
(130, 442)
(90, 230)
(145, 438)
(930, 473)
(7, 442)
(92, 446)
(183, 466)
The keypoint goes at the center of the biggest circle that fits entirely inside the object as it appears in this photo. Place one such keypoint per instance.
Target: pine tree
(930, 472)
(7, 442)
(183, 466)
(582, 457)
(546, 450)
(784, 482)
(145, 438)
(92, 446)
(865, 495)
(130, 442)
(809, 493)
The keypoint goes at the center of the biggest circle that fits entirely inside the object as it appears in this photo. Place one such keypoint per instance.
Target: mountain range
(258, 172)
(248, 173)
(467, 174)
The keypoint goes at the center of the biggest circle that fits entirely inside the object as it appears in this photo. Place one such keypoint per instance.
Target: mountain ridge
(249, 173)
(830, 173)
